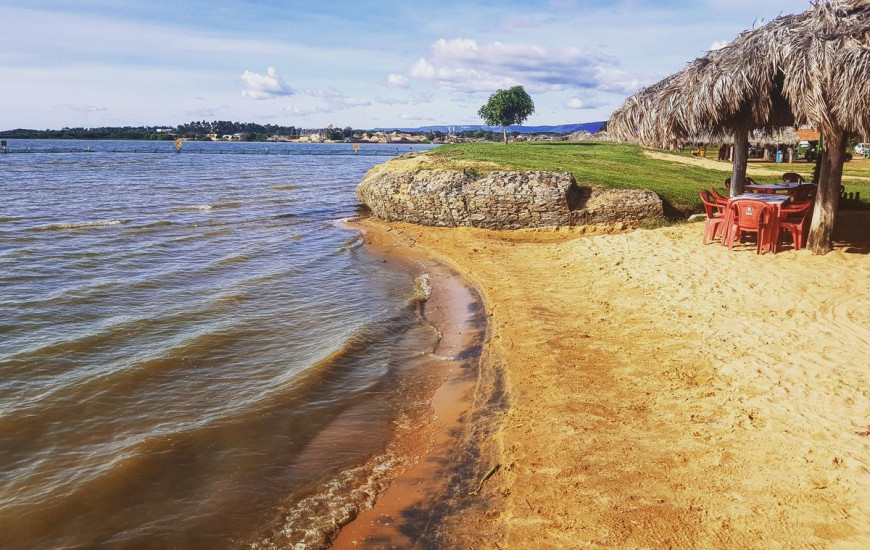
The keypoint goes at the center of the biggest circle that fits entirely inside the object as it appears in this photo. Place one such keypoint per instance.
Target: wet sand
(408, 513)
(662, 393)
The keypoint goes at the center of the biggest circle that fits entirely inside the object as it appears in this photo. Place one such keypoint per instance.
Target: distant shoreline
(219, 131)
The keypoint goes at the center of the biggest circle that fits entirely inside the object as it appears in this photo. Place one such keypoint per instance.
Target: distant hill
(591, 127)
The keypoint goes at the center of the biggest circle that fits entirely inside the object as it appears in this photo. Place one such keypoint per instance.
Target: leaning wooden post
(820, 239)
(741, 156)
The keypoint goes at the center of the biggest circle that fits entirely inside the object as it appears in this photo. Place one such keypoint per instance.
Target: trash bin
(779, 156)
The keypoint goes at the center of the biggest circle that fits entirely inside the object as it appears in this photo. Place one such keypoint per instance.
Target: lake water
(193, 352)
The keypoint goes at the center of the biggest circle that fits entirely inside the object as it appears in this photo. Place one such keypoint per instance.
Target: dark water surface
(193, 353)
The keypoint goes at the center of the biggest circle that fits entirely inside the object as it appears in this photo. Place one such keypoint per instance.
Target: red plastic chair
(803, 192)
(746, 181)
(717, 198)
(715, 217)
(750, 216)
(794, 219)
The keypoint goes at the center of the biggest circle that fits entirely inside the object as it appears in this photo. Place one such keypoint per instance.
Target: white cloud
(462, 65)
(82, 108)
(393, 101)
(206, 112)
(336, 100)
(415, 116)
(414, 99)
(718, 45)
(579, 103)
(267, 86)
(398, 81)
(621, 82)
(331, 101)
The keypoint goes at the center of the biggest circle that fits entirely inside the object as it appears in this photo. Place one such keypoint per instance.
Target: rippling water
(193, 353)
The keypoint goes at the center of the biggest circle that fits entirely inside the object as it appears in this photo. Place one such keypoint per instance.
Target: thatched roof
(812, 67)
(775, 136)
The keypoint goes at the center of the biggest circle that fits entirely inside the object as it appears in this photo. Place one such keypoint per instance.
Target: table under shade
(772, 199)
(771, 187)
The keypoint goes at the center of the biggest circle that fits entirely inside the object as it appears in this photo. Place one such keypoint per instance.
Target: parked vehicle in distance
(862, 148)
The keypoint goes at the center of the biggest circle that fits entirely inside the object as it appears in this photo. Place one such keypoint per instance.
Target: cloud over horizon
(82, 108)
(462, 65)
(267, 86)
(331, 101)
(582, 104)
(398, 81)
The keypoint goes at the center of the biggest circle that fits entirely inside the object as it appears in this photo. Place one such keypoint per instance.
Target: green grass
(618, 166)
(597, 164)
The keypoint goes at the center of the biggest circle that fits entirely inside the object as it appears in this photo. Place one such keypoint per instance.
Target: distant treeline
(127, 132)
(246, 131)
(192, 130)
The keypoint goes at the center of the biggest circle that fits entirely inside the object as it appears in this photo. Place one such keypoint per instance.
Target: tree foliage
(249, 130)
(506, 107)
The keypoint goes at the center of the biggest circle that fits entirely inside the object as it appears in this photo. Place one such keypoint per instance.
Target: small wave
(285, 187)
(207, 207)
(232, 299)
(281, 216)
(148, 228)
(337, 502)
(79, 225)
(422, 287)
(5, 219)
(192, 208)
(234, 259)
(355, 242)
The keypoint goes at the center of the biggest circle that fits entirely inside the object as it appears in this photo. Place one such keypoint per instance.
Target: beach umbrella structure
(808, 68)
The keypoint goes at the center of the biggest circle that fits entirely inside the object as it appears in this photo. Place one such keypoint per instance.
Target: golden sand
(667, 394)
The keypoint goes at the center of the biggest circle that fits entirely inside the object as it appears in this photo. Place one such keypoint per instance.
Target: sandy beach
(665, 394)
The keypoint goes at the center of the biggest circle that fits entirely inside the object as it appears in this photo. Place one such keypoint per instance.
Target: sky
(363, 64)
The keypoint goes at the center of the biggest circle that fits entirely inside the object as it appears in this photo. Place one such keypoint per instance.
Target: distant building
(808, 133)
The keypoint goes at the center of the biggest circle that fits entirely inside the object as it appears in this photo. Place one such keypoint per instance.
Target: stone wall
(499, 200)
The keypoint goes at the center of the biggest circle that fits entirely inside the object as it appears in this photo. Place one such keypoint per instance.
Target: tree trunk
(504, 131)
(817, 166)
(741, 155)
(820, 239)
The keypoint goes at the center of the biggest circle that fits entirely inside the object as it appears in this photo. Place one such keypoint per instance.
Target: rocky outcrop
(498, 200)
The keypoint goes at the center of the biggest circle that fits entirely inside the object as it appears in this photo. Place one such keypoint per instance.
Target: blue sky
(362, 64)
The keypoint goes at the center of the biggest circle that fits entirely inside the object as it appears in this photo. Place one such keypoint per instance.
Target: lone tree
(506, 107)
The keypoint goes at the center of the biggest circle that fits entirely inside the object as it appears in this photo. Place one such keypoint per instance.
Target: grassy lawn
(625, 166)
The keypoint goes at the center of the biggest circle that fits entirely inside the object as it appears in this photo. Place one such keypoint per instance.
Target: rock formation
(499, 199)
